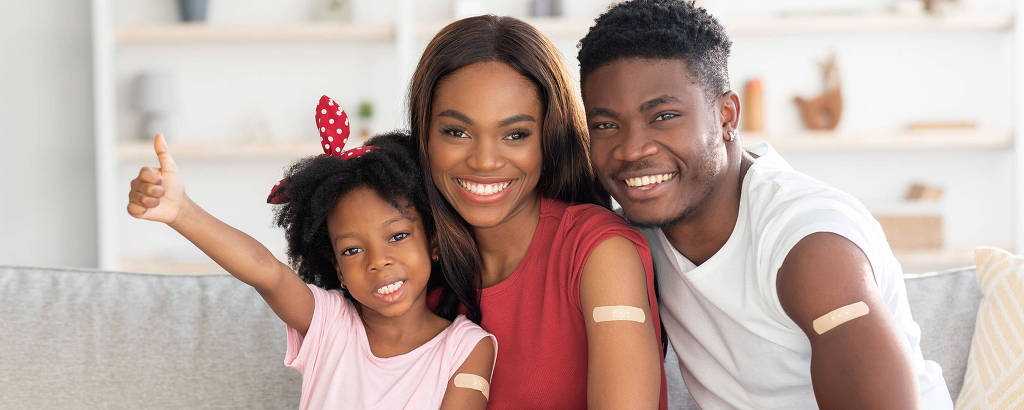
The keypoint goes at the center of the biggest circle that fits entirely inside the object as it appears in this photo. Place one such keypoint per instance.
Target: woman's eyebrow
(456, 115)
(516, 118)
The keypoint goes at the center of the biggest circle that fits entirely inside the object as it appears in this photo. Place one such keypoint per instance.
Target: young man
(776, 290)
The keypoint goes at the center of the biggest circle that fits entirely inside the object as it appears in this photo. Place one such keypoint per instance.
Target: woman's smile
(485, 190)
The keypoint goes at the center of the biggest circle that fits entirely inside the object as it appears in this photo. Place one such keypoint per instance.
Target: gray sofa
(107, 340)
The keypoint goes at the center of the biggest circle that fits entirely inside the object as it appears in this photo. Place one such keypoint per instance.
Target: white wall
(47, 188)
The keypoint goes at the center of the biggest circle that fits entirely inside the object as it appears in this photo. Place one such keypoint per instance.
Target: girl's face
(484, 143)
(382, 253)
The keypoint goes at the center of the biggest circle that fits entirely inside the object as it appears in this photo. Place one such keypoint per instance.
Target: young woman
(504, 150)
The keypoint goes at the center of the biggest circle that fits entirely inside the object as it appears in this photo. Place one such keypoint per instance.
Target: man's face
(656, 142)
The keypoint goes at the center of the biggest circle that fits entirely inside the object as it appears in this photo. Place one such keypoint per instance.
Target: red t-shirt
(536, 313)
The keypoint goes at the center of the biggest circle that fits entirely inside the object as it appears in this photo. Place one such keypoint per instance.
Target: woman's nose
(486, 156)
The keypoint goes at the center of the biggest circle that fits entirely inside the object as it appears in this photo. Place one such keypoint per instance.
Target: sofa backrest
(93, 339)
(87, 339)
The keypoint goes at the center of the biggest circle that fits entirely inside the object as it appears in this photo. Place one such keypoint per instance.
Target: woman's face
(484, 143)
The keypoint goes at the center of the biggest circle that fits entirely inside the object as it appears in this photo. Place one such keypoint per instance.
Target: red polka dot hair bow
(332, 122)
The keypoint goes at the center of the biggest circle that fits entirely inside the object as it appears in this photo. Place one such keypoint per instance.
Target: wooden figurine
(823, 112)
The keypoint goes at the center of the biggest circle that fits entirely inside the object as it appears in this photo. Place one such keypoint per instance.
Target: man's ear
(729, 111)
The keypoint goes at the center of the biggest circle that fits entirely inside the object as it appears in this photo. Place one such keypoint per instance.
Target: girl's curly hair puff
(314, 185)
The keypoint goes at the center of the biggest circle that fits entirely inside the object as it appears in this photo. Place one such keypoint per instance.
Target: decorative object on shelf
(545, 8)
(942, 126)
(335, 10)
(753, 106)
(916, 222)
(923, 192)
(940, 7)
(156, 99)
(332, 123)
(467, 8)
(912, 232)
(365, 117)
(824, 111)
(193, 11)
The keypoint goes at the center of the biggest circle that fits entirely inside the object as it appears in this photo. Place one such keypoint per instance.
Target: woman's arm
(479, 364)
(624, 364)
(159, 195)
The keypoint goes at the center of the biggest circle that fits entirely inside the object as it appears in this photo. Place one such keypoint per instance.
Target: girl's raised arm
(159, 195)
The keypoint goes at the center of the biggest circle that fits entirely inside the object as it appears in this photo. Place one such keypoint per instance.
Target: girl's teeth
(484, 189)
(384, 290)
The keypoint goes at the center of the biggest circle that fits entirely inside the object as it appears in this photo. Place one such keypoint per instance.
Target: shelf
(915, 262)
(201, 32)
(861, 23)
(827, 141)
(576, 28)
(221, 149)
(165, 267)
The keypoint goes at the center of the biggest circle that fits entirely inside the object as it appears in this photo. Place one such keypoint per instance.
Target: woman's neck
(393, 336)
(503, 247)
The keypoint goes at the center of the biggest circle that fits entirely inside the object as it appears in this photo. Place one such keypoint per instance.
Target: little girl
(361, 238)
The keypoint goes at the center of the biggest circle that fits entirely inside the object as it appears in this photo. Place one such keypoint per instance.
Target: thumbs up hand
(158, 194)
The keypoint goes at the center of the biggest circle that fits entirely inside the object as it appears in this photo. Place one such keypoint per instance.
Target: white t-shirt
(737, 348)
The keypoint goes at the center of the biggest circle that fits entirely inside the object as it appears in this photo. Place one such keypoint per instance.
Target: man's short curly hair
(314, 186)
(660, 29)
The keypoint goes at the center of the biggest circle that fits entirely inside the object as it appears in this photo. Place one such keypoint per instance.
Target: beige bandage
(840, 316)
(472, 381)
(610, 313)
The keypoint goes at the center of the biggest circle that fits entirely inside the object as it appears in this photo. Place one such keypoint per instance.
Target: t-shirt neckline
(364, 341)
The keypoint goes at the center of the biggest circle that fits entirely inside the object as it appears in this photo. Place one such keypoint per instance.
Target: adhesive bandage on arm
(612, 313)
(839, 316)
(472, 381)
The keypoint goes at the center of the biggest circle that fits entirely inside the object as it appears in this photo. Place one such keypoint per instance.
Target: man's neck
(702, 234)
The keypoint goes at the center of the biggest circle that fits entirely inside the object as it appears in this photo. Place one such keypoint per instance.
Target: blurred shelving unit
(811, 141)
(206, 33)
(143, 150)
(407, 31)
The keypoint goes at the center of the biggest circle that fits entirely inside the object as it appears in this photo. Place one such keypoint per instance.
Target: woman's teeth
(387, 289)
(646, 181)
(483, 189)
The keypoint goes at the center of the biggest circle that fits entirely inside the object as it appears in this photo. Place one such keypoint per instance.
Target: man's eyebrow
(603, 112)
(657, 101)
(516, 118)
(456, 115)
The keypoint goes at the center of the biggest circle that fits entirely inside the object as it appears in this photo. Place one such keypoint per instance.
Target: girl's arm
(624, 363)
(159, 195)
(480, 363)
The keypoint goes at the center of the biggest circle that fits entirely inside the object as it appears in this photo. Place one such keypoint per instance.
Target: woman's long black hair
(314, 185)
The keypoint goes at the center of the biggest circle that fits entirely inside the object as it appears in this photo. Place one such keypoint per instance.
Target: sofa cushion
(945, 304)
(91, 339)
(995, 368)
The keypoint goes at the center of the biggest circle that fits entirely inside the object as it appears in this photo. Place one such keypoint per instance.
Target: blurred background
(913, 106)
